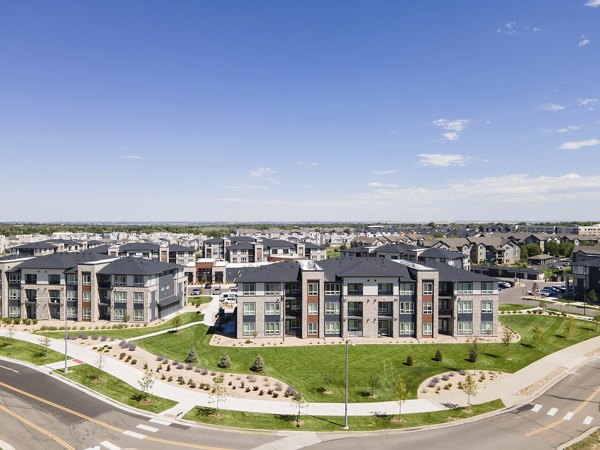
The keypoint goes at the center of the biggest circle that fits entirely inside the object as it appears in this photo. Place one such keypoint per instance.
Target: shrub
(132, 347)
(191, 357)
(179, 366)
(410, 360)
(438, 355)
(122, 355)
(134, 362)
(258, 365)
(189, 367)
(180, 380)
(160, 358)
(225, 361)
(473, 354)
(94, 337)
(170, 378)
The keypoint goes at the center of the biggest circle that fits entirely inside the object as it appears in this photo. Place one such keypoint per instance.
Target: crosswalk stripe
(569, 415)
(552, 411)
(536, 408)
(160, 422)
(141, 426)
(134, 434)
(109, 445)
(588, 420)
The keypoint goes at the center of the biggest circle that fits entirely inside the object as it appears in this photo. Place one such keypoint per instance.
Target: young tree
(400, 392)
(192, 357)
(10, 331)
(299, 402)
(225, 361)
(438, 355)
(470, 388)
(218, 391)
(507, 337)
(176, 322)
(570, 326)
(45, 343)
(146, 384)
(537, 334)
(473, 351)
(258, 365)
(328, 380)
(534, 288)
(374, 383)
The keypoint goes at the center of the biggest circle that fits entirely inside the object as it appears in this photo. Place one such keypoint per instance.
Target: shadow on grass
(526, 345)
(491, 355)
(363, 393)
(322, 419)
(560, 336)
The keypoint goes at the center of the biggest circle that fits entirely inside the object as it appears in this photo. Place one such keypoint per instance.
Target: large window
(54, 296)
(249, 308)
(72, 296)
(427, 328)
(313, 288)
(71, 312)
(313, 308)
(87, 296)
(86, 279)
(138, 315)
(332, 288)
(272, 308)
(427, 308)
(53, 279)
(249, 328)
(272, 328)
(332, 328)
(71, 279)
(465, 307)
(487, 306)
(464, 288)
(384, 308)
(354, 325)
(355, 308)
(14, 278)
(138, 280)
(428, 288)
(120, 297)
(313, 328)
(355, 289)
(86, 313)
(385, 288)
(272, 288)
(465, 327)
(14, 311)
(332, 307)
(14, 294)
(407, 328)
(407, 308)
(487, 287)
(138, 297)
(487, 327)
(120, 280)
(293, 288)
(119, 314)
(407, 288)
(249, 289)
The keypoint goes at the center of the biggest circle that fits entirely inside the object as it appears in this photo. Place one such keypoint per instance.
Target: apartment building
(90, 286)
(585, 277)
(364, 297)
(172, 253)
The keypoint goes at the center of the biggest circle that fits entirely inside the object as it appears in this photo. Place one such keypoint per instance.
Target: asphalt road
(566, 411)
(39, 412)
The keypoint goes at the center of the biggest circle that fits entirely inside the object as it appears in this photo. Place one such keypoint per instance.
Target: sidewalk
(514, 389)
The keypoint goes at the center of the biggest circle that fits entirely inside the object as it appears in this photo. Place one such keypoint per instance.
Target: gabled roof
(241, 246)
(64, 260)
(363, 267)
(277, 243)
(139, 247)
(281, 272)
(42, 244)
(456, 275)
(181, 248)
(137, 266)
(588, 249)
(594, 262)
(440, 253)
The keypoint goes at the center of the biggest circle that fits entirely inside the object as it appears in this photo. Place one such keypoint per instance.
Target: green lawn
(305, 367)
(24, 351)
(514, 307)
(199, 300)
(116, 389)
(241, 419)
(126, 333)
(592, 442)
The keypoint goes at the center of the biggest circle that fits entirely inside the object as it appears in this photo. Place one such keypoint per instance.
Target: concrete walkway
(513, 389)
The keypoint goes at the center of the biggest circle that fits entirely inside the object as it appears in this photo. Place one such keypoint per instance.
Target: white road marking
(147, 428)
(8, 368)
(97, 447)
(588, 420)
(536, 408)
(109, 446)
(552, 411)
(134, 434)
(569, 415)
(160, 422)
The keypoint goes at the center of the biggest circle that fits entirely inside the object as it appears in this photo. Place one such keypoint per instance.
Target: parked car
(228, 296)
(195, 291)
(504, 285)
(216, 291)
(207, 286)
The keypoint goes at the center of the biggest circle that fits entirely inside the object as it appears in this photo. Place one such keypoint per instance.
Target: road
(565, 411)
(37, 411)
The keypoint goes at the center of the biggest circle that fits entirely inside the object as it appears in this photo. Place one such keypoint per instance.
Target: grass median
(240, 419)
(317, 370)
(25, 351)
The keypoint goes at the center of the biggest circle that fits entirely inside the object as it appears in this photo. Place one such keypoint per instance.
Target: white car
(228, 297)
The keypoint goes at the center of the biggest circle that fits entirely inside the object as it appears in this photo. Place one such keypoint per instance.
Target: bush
(473, 354)
(410, 360)
(180, 380)
(191, 357)
(179, 366)
(438, 355)
(258, 365)
(122, 355)
(225, 362)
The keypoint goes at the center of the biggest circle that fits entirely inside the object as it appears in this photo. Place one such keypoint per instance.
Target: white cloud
(453, 127)
(576, 145)
(261, 171)
(254, 187)
(587, 101)
(536, 29)
(583, 42)
(567, 129)
(375, 184)
(442, 160)
(304, 163)
(551, 107)
(384, 172)
(131, 157)
(509, 28)
(593, 3)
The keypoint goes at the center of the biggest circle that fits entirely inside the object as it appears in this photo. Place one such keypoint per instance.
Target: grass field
(241, 419)
(116, 389)
(199, 300)
(592, 442)
(126, 333)
(311, 368)
(514, 307)
(24, 351)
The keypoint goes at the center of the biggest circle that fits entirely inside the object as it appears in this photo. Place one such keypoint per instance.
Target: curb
(578, 438)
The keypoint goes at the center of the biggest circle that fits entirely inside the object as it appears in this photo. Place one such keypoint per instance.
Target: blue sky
(292, 111)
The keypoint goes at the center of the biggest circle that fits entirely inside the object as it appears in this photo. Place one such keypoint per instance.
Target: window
(313, 308)
(87, 313)
(332, 308)
(313, 328)
(14, 278)
(428, 288)
(30, 279)
(313, 288)
(71, 312)
(14, 311)
(355, 289)
(53, 279)
(120, 297)
(14, 294)
(138, 314)
(272, 288)
(138, 280)
(249, 288)
(385, 288)
(272, 328)
(87, 296)
(294, 287)
(119, 314)
(355, 308)
(407, 328)
(272, 309)
(487, 306)
(355, 325)
(384, 308)
(54, 296)
(465, 307)
(86, 279)
(71, 279)
(487, 287)
(249, 328)
(249, 309)
(332, 328)
(427, 328)
(120, 280)
(464, 288)
(72, 296)
(465, 327)
(332, 288)
(427, 308)
(487, 327)
(407, 308)
(138, 297)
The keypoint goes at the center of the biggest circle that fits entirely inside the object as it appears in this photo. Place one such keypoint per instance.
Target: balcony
(290, 312)
(445, 312)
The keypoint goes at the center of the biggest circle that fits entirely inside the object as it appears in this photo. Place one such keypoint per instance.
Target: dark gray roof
(276, 243)
(213, 241)
(454, 274)
(440, 253)
(42, 244)
(242, 238)
(282, 272)
(139, 247)
(64, 260)
(594, 262)
(363, 267)
(312, 246)
(180, 248)
(12, 257)
(394, 248)
(137, 266)
(242, 246)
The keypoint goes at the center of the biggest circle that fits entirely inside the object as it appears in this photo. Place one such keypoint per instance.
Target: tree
(45, 343)
(410, 360)
(146, 384)
(225, 361)
(218, 391)
(591, 296)
(524, 253)
(534, 288)
(570, 326)
(473, 351)
(258, 365)
(551, 248)
(438, 355)
(537, 334)
(192, 357)
(374, 383)
(533, 250)
(176, 322)
(299, 402)
(10, 331)
(507, 337)
(470, 388)
(400, 392)
(597, 320)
